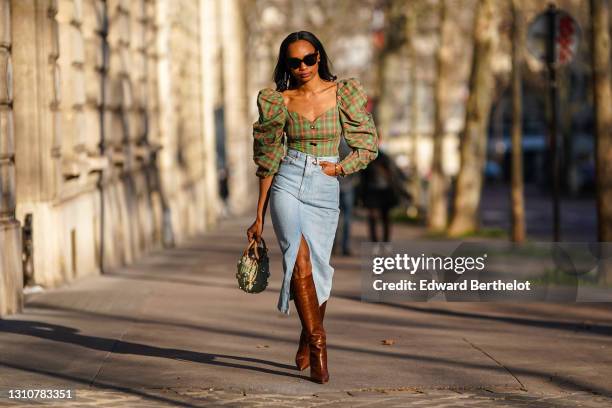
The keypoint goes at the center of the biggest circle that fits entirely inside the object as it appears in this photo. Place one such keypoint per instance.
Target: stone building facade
(107, 132)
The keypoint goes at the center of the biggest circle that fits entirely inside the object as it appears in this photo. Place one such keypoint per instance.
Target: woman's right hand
(255, 231)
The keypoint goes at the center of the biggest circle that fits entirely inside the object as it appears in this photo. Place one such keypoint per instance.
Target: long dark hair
(282, 76)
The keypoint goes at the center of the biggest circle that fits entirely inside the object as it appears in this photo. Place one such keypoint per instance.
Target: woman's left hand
(328, 168)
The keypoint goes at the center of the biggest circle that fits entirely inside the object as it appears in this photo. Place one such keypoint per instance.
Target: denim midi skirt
(305, 201)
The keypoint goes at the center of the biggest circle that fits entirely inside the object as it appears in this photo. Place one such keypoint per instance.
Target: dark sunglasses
(310, 60)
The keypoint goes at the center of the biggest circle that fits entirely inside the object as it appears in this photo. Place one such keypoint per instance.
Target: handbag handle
(253, 241)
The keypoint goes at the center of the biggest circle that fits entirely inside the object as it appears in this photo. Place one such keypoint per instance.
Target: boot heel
(318, 359)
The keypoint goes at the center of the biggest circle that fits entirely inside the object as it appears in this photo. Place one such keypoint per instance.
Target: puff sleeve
(268, 131)
(357, 125)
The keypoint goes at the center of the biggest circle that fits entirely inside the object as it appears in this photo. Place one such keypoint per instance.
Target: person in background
(347, 199)
(223, 178)
(378, 195)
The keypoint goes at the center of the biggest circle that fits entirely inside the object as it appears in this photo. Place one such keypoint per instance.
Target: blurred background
(125, 125)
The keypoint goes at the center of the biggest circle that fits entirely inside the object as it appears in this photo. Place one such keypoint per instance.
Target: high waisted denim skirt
(304, 201)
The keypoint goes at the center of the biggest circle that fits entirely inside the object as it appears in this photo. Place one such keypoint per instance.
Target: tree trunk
(516, 194)
(388, 60)
(415, 187)
(438, 186)
(600, 46)
(473, 149)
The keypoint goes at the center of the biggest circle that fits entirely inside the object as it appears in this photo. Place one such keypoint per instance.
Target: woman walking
(313, 110)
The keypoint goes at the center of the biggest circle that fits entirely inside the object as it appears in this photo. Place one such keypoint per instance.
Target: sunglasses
(309, 60)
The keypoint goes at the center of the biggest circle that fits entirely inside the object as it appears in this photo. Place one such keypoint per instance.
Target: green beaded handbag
(253, 268)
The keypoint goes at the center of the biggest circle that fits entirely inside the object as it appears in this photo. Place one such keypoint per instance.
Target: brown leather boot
(307, 305)
(302, 357)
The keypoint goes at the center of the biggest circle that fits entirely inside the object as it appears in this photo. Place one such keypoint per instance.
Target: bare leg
(302, 267)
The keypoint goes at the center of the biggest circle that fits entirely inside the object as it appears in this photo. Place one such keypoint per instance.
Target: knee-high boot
(307, 305)
(302, 357)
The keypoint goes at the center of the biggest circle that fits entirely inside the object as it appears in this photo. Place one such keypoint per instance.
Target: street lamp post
(551, 65)
(553, 38)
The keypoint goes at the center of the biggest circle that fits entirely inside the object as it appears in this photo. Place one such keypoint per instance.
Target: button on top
(312, 126)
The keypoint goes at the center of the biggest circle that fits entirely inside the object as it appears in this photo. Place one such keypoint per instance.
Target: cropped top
(320, 137)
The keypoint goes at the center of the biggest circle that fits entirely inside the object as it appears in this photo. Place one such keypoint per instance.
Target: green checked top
(320, 137)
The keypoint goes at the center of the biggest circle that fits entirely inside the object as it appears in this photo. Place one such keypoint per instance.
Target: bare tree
(474, 135)
(600, 46)
(387, 61)
(438, 187)
(412, 30)
(516, 192)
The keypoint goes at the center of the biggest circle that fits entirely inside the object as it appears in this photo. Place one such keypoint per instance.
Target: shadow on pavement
(70, 335)
(98, 385)
(605, 330)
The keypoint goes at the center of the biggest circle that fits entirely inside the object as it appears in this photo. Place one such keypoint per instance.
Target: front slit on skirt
(305, 201)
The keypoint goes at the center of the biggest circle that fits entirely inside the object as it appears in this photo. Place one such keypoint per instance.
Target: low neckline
(315, 119)
(320, 115)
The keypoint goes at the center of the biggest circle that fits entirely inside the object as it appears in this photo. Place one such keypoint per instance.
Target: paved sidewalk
(174, 330)
(194, 397)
